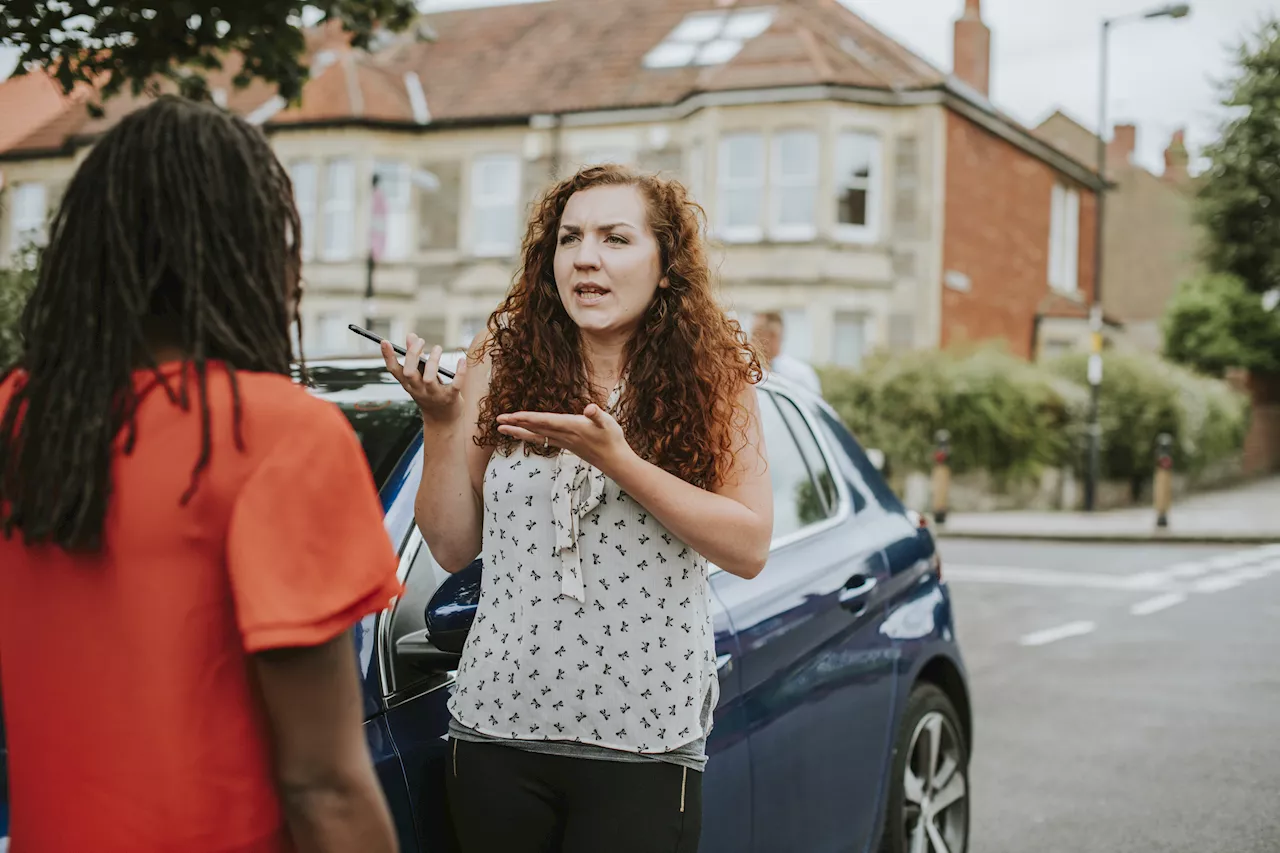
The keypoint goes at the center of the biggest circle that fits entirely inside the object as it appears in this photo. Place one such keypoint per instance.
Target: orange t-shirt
(131, 712)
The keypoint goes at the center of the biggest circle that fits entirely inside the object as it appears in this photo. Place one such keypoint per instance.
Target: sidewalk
(1248, 514)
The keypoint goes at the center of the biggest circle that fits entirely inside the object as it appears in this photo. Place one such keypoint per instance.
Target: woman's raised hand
(439, 403)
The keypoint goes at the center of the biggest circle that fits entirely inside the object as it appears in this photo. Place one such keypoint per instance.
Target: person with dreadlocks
(188, 535)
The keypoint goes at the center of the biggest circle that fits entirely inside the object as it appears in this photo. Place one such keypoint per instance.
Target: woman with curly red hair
(598, 447)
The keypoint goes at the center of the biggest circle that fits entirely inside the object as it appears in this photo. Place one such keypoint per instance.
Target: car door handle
(724, 663)
(853, 594)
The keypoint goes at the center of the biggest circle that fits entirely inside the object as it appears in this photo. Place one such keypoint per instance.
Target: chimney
(1124, 142)
(1176, 159)
(973, 48)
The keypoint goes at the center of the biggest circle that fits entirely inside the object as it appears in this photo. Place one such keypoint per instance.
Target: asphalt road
(1127, 698)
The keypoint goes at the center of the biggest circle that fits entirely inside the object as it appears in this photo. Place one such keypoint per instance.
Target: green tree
(1215, 322)
(141, 43)
(1239, 198)
(15, 285)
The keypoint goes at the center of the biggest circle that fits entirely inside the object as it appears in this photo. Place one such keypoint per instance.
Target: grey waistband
(692, 755)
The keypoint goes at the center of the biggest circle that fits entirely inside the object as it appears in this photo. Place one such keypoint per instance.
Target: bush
(1142, 396)
(1014, 419)
(1214, 323)
(15, 286)
(1005, 416)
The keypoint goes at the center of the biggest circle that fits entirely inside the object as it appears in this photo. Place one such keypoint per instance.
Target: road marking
(1062, 632)
(1155, 605)
(1187, 570)
(1217, 583)
(1046, 577)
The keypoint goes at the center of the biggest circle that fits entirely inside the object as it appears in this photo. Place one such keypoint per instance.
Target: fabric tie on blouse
(582, 488)
(579, 489)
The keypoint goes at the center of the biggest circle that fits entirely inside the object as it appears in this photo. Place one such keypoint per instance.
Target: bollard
(941, 476)
(1163, 487)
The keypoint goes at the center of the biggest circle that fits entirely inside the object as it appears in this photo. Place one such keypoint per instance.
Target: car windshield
(379, 410)
(385, 430)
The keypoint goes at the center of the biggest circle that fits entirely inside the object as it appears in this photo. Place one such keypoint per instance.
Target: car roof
(352, 380)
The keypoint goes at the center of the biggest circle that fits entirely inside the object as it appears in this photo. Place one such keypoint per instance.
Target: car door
(726, 783)
(415, 718)
(817, 674)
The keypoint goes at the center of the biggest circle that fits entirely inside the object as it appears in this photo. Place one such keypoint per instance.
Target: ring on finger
(546, 440)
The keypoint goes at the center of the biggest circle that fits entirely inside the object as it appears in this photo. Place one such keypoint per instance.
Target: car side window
(812, 454)
(797, 500)
(421, 581)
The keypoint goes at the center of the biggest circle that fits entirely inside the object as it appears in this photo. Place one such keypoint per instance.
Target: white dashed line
(1155, 605)
(1217, 583)
(1044, 577)
(1187, 570)
(1062, 632)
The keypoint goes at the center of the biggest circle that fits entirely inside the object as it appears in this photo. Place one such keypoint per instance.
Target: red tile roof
(27, 103)
(510, 62)
(580, 55)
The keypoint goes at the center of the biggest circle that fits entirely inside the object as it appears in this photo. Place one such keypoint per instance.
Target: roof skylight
(709, 38)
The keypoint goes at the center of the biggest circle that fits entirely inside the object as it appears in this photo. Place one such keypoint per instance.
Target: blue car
(844, 721)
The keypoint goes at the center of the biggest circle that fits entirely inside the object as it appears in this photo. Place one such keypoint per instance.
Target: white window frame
(28, 216)
(727, 183)
(782, 182)
(797, 334)
(504, 202)
(304, 175)
(327, 322)
(1064, 240)
(470, 325)
(338, 211)
(696, 181)
(873, 185)
(394, 181)
(601, 156)
(854, 317)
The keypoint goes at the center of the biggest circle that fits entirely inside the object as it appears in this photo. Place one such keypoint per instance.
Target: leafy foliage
(110, 44)
(1004, 415)
(1239, 199)
(1142, 396)
(15, 285)
(1214, 322)
(1014, 419)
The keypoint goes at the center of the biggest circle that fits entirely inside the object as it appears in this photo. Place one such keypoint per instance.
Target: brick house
(875, 200)
(1151, 242)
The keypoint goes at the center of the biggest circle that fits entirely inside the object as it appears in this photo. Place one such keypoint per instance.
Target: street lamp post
(1177, 10)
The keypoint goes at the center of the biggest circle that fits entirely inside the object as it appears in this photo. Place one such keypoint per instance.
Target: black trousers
(507, 800)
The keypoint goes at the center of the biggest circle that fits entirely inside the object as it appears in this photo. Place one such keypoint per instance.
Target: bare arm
(731, 526)
(331, 797)
(449, 507)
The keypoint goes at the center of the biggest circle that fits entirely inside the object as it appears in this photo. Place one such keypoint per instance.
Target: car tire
(928, 808)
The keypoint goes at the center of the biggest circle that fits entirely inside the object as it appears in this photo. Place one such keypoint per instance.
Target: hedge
(1003, 415)
(1013, 419)
(1142, 396)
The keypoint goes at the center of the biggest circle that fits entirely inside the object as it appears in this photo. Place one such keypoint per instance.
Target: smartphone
(365, 333)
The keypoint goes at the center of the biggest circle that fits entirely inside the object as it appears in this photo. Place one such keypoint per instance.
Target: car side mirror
(449, 615)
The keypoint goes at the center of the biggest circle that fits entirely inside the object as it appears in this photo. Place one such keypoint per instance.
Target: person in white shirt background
(767, 330)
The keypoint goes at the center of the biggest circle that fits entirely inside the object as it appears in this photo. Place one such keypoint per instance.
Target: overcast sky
(1045, 56)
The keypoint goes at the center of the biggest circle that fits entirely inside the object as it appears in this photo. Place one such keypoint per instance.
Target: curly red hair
(686, 366)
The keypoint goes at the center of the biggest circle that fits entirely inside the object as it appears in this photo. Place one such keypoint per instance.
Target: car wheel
(928, 810)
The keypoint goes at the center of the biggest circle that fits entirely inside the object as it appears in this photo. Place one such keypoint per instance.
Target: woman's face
(607, 262)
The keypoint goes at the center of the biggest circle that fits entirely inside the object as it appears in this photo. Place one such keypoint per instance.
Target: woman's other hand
(439, 403)
(594, 436)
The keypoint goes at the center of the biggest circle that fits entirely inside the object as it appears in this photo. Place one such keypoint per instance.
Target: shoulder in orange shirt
(132, 718)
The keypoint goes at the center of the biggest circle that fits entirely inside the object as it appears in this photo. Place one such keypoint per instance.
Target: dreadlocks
(179, 230)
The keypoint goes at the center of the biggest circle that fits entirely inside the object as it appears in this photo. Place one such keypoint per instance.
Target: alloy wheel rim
(935, 789)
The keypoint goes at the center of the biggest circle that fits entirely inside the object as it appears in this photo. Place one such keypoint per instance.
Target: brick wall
(1262, 443)
(996, 234)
